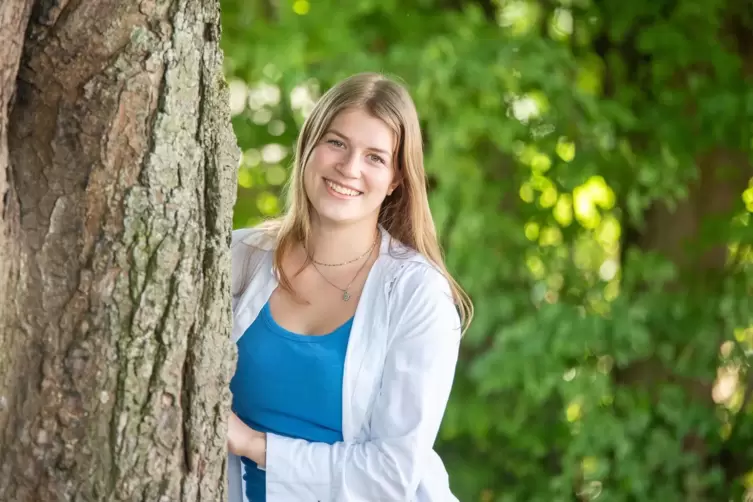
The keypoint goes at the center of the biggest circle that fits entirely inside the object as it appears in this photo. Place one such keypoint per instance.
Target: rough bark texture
(118, 184)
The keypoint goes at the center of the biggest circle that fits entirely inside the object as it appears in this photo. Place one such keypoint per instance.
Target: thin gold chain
(368, 251)
(346, 294)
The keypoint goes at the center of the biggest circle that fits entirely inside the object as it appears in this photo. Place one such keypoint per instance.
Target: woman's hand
(244, 441)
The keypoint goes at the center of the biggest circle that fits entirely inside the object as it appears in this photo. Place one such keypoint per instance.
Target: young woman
(346, 320)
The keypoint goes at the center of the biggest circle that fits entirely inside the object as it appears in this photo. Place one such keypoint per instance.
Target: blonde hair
(405, 214)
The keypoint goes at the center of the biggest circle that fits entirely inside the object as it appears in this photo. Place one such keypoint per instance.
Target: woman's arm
(416, 383)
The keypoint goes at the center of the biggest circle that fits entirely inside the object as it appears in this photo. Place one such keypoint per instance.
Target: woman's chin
(339, 215)
(336, 218)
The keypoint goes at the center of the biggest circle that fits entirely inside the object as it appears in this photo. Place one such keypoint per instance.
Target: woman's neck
(341, 243)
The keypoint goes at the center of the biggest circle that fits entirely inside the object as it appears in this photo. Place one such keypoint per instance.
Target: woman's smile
(341, 191)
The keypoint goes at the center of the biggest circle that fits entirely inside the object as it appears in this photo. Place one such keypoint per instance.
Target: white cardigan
(399, 368)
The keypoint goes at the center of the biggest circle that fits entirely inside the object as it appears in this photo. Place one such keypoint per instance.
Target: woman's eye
(377, 158)
(336, 142)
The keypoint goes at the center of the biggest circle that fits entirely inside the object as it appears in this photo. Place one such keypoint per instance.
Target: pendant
(346, 296)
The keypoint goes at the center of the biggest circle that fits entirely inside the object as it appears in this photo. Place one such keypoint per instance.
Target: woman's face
(350, 171)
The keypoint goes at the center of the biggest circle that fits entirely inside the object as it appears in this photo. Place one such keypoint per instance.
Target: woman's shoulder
(421, 298)
(260, 237)
(415, 275)
(249, 248)
(409, 264)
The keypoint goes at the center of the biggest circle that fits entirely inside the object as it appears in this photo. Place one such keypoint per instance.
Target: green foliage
(602, 363)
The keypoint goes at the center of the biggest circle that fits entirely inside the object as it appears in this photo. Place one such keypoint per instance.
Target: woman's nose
(349, 167)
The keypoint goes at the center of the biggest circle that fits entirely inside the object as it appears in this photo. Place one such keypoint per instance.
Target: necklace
(373, 244)
(346, 294)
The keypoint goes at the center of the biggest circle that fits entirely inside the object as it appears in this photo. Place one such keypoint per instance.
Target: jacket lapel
(364, 358)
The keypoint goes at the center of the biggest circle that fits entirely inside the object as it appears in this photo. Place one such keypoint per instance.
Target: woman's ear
(392, 188)
(396, 182)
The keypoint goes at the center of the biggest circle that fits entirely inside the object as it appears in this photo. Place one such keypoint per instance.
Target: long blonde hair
(405, 214)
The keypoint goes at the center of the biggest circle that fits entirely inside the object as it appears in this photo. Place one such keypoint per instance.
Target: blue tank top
(288, 384)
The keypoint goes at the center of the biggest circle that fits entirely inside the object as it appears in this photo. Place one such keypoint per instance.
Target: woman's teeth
(341, 189)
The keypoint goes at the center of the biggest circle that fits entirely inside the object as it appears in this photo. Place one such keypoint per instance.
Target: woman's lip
(327, 181)
(339, 195)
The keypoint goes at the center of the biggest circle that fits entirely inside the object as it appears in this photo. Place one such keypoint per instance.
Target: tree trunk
(117, 176)
(675, 234)
(683, 232)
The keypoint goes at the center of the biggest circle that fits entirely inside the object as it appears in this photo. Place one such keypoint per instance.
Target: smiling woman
(349, 175)
(346, 320)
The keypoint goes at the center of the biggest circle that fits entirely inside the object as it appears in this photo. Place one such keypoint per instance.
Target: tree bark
(117, 176)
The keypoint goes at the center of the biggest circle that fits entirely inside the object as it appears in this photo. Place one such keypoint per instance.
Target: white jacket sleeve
(416, 382)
